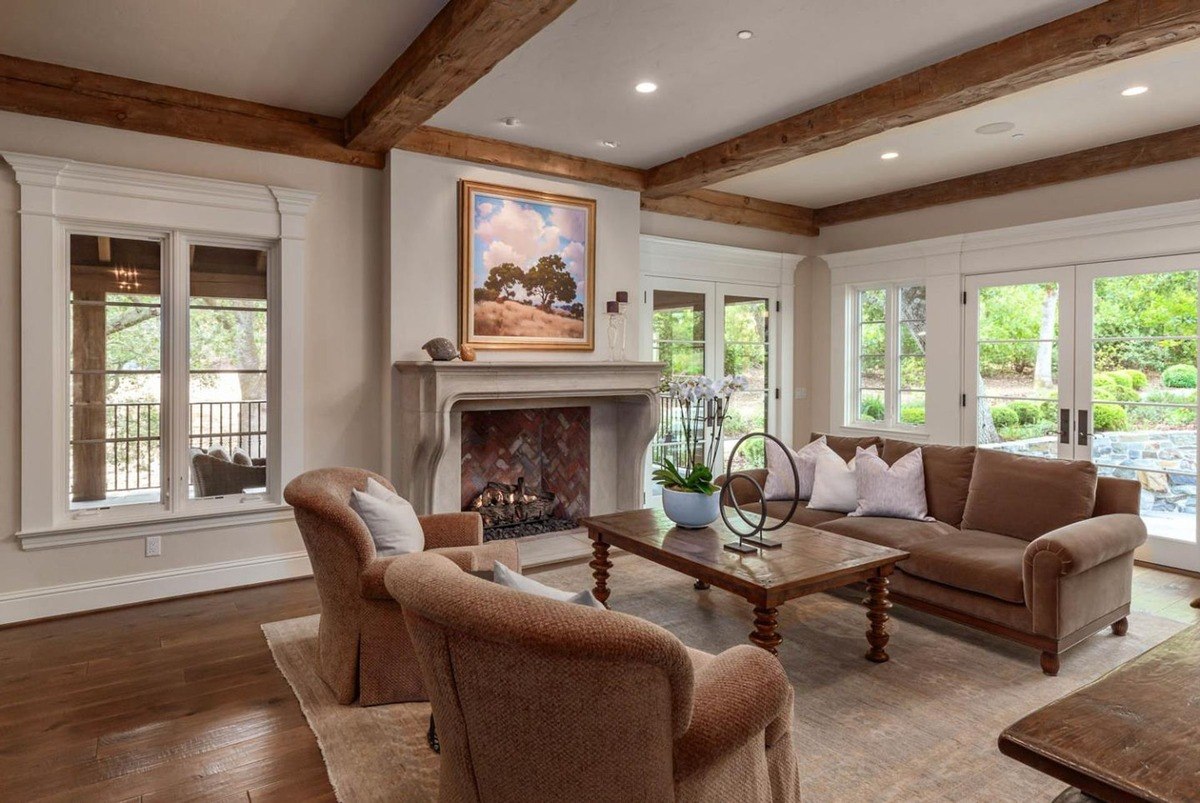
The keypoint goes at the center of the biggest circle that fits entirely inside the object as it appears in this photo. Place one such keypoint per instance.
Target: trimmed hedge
(1179, 376)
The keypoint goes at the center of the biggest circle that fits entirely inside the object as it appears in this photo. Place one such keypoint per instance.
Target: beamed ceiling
(780, 131)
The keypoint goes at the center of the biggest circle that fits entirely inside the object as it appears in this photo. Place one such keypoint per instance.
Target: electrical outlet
(153, 546)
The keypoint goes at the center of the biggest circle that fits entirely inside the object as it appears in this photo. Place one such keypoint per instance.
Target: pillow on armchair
(390, 518)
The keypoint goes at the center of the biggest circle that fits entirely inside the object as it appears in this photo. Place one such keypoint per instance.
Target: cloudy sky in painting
(520, 232)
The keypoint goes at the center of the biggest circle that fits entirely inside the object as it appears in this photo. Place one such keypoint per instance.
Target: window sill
(91, 533)
(907, 432)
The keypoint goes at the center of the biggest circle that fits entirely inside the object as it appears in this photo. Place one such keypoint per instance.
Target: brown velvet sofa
(1038, 551)
(363, 648)
(541, 700)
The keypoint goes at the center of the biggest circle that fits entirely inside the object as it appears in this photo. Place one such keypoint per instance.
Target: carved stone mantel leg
(600, 565)
(877, 614)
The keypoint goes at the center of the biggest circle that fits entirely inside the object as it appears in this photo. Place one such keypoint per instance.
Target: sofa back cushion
(947, 476)
(1026, 497)
(846, 447)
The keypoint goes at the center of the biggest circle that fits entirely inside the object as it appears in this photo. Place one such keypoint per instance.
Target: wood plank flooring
(181, 700)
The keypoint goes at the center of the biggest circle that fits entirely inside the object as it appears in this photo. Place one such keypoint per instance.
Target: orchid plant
(703, 404)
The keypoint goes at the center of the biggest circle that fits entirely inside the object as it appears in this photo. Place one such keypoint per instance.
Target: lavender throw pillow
(779, 470)
(896, 491)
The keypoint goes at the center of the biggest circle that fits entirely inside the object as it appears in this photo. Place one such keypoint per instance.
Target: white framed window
(886, 339)
(161, 351)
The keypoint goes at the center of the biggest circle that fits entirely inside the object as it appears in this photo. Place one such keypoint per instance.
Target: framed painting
(526, 269)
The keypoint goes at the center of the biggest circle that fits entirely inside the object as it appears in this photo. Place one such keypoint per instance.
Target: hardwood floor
(181, 700)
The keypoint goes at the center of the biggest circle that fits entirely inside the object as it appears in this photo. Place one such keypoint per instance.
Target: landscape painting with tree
(527, 269)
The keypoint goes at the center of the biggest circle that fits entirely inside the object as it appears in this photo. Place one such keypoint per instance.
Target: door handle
(1064, 425)
(1083, 436)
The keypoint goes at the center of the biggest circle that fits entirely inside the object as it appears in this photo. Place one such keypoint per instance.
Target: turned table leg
(600, 565)
(877, 614)
(766, 620)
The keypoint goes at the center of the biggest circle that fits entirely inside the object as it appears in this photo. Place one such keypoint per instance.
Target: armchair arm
(371, 578)
(481, 558)
(1077, 547)
(740, 693)
(451, 529)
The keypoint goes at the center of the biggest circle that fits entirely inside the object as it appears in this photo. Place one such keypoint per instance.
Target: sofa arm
(452, 529)
(743, 491)
(1084, 545)
(740, 693)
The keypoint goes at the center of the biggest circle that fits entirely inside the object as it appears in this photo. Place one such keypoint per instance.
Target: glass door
(1136, 391)
(1019, 370)
(747, 351)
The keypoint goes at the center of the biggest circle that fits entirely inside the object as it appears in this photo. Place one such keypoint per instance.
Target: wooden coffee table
(1131, 735)
(809, 561)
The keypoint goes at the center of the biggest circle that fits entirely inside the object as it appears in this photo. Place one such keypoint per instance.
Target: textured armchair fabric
(364, 649)
(540, 700)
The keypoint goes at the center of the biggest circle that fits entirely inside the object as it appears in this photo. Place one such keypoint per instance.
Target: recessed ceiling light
(1135, 90)
(511, 122)
(995, 128)
(610, 143)
(1018, 135)
(646, 87)
(889, 155)
(745, 34)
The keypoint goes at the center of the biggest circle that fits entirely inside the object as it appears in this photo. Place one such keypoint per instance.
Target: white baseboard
(40, 603)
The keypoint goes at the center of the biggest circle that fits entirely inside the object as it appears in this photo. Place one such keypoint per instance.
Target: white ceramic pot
(690, 509)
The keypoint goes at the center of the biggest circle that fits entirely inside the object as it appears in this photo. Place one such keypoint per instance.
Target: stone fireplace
(527, 471)
(445, 414)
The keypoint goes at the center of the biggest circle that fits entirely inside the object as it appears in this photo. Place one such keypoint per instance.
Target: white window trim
(59, 196)
(851, 416)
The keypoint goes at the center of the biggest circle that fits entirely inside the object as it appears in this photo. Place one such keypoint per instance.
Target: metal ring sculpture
(728, 497)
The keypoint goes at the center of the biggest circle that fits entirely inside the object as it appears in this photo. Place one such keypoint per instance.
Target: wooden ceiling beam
(1171, 146)
(462, 44)
(738, 210)
(483, 150)
(1101, 34)
(51, 90)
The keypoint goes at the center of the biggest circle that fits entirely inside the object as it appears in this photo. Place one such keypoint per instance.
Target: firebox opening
(526, 471)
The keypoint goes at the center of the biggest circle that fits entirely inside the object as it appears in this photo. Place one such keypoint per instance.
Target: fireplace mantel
(430, 397)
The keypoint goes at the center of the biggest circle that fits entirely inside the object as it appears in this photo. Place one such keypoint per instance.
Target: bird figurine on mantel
(440, 349)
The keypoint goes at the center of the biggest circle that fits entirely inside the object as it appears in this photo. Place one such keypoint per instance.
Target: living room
(577, 399)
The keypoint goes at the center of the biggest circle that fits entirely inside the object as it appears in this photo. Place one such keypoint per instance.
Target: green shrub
(1112, 387)
(1004, 416)
(913, 414)
(1028, 412)
(1179, 376)
(1109, 418)
(1136, 378)
(872, 408)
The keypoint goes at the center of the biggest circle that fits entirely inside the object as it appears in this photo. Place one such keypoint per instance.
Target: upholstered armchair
(364, 648)
(537, 699)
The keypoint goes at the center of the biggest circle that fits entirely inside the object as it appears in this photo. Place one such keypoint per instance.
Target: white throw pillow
(897, 491)
(835, 485)
(390, 519)
(506, 577)
(779, 469)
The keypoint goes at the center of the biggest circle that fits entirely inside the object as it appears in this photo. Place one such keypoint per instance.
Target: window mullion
(892, 360)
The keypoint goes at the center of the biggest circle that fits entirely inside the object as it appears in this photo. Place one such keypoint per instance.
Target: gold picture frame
(527, 269)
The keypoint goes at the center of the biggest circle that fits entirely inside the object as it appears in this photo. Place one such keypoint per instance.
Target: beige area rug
(920, 727)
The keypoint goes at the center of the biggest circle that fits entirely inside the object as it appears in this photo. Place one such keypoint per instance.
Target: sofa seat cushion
(779, 509)
(894, 533)
(972, 560)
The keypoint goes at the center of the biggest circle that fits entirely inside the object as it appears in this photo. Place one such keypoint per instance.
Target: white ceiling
(314, 55)
(1066, 115)
(572, 85)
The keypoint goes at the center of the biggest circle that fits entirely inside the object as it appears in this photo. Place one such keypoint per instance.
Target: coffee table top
(1131, 735)
(810, 560)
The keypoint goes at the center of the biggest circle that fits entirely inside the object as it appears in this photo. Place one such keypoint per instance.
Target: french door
(714, 329)
(1095, 362)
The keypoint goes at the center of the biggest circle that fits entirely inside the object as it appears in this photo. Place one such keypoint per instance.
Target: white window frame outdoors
(852, 415)
(61, 197)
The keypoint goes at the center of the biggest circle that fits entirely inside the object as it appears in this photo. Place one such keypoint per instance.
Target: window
(888, 337)
(161, 351)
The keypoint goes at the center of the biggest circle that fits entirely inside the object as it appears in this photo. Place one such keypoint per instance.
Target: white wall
(423, 251)
(344, 356)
